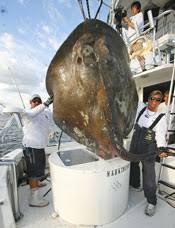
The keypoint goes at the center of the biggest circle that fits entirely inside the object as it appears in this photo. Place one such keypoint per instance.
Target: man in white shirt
(163, 108)
(133, 23)
(36, 122)
(149, 137)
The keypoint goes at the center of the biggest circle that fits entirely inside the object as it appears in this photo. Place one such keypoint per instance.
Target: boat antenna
(17, 88)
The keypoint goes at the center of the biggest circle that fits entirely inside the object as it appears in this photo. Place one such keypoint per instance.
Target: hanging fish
(94, 94)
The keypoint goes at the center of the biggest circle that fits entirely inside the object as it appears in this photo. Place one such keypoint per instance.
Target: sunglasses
(32, 101)
(155, 99)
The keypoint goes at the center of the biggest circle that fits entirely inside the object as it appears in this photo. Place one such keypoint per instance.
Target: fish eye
(79, 60)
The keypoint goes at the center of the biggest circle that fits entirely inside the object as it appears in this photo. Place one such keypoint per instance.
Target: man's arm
(136, 20)
(161, 131)
(129, 23)
(33, 111)
(38, 109)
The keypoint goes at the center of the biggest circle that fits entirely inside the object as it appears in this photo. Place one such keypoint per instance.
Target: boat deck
(133, 217)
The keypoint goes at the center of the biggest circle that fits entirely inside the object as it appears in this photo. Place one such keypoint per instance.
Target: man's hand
(48, 102)
(163, 155)
(129, 23)
(126, 20)
(163, 152)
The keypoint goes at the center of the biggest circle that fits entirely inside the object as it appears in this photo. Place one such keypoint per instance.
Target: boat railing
(145, 29)
(152, 24)
(158, 45)
(11, 164)
(167, 17)
(10, 133)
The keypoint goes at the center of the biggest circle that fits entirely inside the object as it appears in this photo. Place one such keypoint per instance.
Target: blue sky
(31, 32)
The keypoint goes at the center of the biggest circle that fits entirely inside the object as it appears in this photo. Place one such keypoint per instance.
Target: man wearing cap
(36, 122)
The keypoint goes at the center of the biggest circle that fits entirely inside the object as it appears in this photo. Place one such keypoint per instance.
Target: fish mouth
(89, 63)
(86, 55)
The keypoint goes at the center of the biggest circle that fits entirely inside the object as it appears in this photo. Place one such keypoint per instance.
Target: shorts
(35, 162)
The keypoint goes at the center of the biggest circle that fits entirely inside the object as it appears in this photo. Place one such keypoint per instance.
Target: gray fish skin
(95, 97)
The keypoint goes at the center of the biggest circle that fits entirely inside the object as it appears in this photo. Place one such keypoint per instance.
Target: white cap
(35, 96)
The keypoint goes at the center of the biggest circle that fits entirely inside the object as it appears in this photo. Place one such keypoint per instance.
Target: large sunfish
(94, 94)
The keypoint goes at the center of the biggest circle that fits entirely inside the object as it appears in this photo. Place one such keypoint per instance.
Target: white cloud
(54, 43)
(66, 3)
(7, 40)
(24, 61)
(55, 15)
(46, 37)
(21, 31)
(22, 2)
(43, 44)
(46, 29)
(20, 66)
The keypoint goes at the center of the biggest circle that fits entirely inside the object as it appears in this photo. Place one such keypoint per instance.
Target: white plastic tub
(86, 189)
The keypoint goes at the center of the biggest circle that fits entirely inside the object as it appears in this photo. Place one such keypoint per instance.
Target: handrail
(158, 17)
(148, 24)
(171, 92)
(164, 13)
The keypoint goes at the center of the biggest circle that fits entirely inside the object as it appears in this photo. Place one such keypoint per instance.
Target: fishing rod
(2, 105)
(13, 114)
(17, 88)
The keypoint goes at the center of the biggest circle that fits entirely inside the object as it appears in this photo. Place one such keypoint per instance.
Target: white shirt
(147, 118)
(36, 122)
(163, 108)
(139, 22)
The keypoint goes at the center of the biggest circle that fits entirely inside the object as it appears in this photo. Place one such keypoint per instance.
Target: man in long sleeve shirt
(36, 122)
(136, 20)
(149, 137)
(36, 126)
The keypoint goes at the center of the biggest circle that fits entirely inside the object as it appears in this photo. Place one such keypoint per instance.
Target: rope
(81, 8)
(98, 10)
(59, 140)
(88, 9)
(105, 4)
